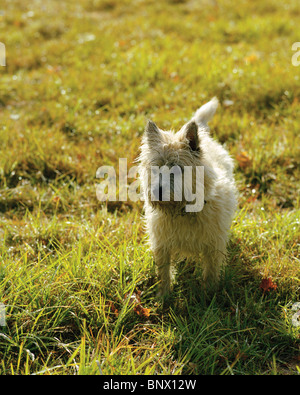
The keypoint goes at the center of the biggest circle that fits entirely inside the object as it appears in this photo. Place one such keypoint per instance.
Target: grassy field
(77, 278)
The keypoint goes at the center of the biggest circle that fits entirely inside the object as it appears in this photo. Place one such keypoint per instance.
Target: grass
(76, 276)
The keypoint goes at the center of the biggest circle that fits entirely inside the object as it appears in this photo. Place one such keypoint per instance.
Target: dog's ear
(152, 132)
(191, 133)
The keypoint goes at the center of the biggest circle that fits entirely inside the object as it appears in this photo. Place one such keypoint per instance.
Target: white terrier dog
(195, 221)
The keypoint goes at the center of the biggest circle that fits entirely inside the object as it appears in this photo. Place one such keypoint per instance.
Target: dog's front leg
(163, 260)
(214, 259)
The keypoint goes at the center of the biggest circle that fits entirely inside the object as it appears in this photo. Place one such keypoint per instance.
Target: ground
(77, 278)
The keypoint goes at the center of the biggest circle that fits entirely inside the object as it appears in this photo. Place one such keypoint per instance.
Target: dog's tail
(205, 113)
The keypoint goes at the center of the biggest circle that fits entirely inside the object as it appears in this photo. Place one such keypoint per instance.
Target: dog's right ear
(191, 133)
(152, 132)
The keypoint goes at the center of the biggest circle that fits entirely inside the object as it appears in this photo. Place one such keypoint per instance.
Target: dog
(184, 224)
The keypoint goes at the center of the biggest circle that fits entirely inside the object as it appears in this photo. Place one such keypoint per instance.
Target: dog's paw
(163, 294)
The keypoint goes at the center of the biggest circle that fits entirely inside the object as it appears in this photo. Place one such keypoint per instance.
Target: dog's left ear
(152, 132)
(191, 133)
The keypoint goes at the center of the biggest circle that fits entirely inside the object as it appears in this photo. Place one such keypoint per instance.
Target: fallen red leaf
(267, 285)
(135, 299)
(142, 311)
(113, 308)
(244, 160)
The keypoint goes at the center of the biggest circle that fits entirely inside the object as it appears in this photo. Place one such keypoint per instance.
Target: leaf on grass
(135, 299)
(244, 160)
(113, 308)
(122, 43)
(142, 311)
(252, 199)
(267, 285)
(251, 58)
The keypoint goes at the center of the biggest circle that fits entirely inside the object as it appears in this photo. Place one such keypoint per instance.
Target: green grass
(81, 79)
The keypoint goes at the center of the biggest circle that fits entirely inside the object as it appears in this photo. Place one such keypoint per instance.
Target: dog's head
(171, 162)
(166, 157)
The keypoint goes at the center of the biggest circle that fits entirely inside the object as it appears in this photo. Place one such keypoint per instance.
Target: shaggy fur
(173, 232)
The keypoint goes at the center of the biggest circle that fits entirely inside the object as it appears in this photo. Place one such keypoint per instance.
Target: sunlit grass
(81, 80)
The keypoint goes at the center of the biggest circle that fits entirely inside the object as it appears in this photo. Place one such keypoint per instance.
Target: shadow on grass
(236, 330)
